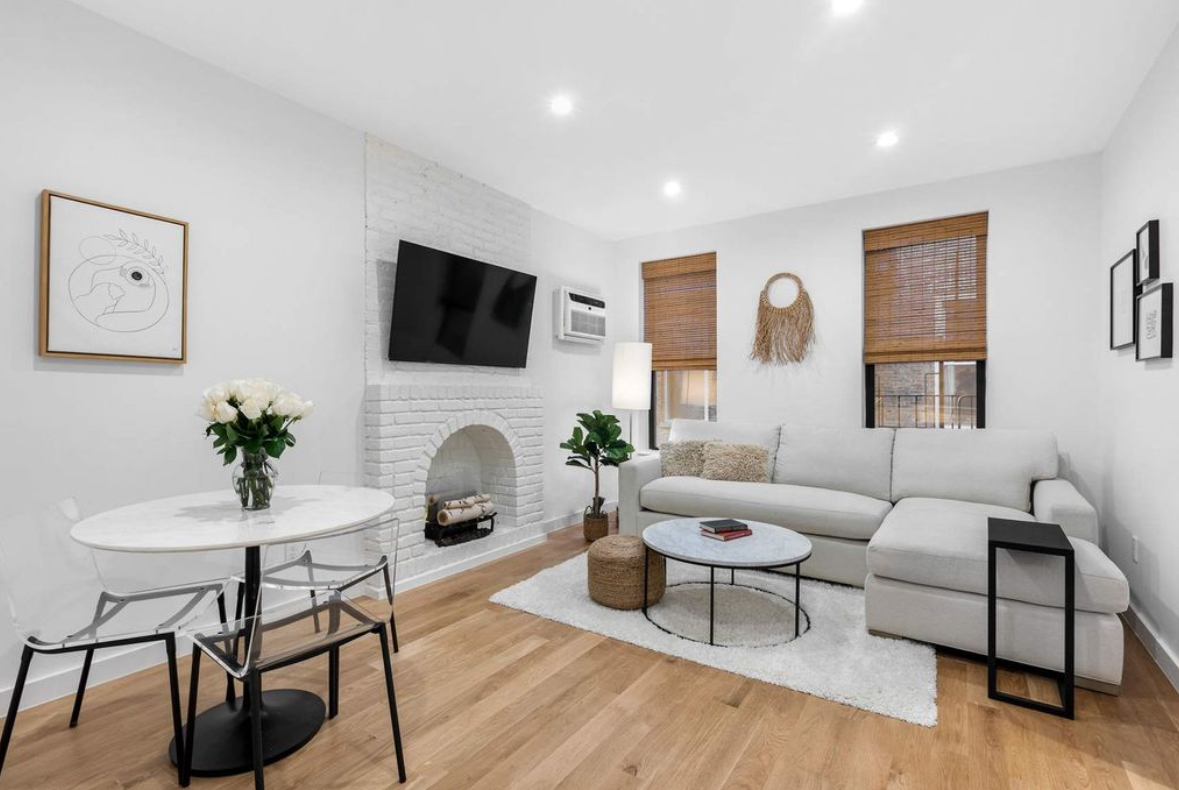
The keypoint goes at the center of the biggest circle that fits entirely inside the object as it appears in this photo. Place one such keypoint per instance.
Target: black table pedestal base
(290, 718)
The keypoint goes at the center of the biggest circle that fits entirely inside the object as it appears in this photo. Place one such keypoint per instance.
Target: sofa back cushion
(728, 432)
(992, 466)
(858, 460)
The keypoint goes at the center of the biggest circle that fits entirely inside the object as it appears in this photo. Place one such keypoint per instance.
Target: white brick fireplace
(426, 438)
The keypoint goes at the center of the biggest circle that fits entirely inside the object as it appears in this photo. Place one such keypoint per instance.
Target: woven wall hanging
(784, 334)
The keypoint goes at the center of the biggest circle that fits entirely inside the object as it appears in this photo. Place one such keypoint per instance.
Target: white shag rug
(836, 659)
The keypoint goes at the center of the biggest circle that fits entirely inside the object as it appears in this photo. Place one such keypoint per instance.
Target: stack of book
(725, 529)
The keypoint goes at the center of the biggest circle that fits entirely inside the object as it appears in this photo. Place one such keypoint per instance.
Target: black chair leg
(81, 687)
(392, 614)
(392, 703)
(230, 693)
(22, 675)
(190, 730)
(174, 688)
(255, 684)
(333, 682)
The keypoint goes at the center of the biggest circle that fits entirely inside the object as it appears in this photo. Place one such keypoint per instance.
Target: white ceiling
(753, 105)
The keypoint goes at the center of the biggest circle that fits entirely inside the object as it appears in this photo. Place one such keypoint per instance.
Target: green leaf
(275, 447)
(230, 455)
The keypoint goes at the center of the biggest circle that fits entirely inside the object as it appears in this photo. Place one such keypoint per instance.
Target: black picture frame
(1165, 319)
(1147, 247)
(1125, 266)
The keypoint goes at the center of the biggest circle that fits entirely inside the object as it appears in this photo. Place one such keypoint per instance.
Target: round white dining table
(216, 521)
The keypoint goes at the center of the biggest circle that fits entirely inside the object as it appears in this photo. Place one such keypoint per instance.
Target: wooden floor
(493, 698)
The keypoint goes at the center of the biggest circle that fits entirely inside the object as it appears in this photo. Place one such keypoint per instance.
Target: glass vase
(254, 481)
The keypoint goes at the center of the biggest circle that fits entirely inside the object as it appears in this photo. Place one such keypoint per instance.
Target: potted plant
(255, 417)
(596, 443)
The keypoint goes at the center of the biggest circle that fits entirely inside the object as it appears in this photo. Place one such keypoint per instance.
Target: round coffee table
(769, 547)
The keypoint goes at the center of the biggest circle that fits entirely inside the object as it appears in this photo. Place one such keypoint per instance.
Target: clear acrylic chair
(285, 628)
(60, 604)
(333, 564)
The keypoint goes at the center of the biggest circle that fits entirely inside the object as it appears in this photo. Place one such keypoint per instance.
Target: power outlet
(1134, 548)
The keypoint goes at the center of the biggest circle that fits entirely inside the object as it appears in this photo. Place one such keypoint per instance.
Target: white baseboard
(1166, 658)
(569, 519)
(559, 522)
(467, 564)
(60, 678)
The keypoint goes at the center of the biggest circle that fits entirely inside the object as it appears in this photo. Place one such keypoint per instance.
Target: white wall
(575, 377)
(1042, 328)
(1137, 409)
(274, 194)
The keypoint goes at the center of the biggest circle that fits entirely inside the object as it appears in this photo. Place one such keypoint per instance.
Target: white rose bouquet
(254, 416)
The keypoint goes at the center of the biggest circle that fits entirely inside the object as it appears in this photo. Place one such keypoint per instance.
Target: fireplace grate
(462, 532)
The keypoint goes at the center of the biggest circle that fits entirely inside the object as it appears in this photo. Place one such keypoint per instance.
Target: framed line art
(1123, 294)
(1148, 252)
(114, 282)
(1155, 319)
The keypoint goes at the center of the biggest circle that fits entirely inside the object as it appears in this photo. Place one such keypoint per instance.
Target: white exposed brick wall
(411, 198)
(442, 427)
(407, 427)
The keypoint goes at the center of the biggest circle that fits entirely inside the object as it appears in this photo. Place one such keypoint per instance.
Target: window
(925, 324)
(679, 320)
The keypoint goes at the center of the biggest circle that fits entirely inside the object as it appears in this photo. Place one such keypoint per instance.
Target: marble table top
(211, 521)
(768, 547)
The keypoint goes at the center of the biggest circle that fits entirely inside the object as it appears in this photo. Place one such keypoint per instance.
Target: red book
(742, 533)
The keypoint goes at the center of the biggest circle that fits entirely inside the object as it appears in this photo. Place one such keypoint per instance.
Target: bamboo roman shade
(679, 312)
(925, 291)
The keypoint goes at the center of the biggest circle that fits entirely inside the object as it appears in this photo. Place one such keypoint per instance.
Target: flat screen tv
(457, 311)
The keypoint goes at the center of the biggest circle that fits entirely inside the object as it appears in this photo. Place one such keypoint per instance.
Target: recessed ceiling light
(845, 7)
(673, 189)
(887, 139)
(561, 105)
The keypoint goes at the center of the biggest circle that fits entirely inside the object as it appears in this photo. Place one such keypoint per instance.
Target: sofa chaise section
(928, 561)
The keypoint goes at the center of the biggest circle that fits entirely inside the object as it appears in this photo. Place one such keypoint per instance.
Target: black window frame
(870, 396)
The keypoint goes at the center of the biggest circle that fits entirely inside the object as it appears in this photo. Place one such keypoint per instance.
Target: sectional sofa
(903, 513)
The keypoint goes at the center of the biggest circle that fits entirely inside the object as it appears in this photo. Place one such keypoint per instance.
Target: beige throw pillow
(747, 463)
(682, 459)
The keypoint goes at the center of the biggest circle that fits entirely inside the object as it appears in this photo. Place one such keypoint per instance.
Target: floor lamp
(632, 383)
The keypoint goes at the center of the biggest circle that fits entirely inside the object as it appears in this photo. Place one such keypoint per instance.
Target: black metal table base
(712, 569)
(290, 718)
(798, 631)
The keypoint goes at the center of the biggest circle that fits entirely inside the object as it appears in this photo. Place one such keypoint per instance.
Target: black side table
(1038, 538)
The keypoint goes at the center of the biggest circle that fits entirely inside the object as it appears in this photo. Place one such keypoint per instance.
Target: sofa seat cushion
(943, 543)
(814, 511)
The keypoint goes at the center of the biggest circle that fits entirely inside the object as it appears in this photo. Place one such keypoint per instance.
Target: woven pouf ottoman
(616, 572)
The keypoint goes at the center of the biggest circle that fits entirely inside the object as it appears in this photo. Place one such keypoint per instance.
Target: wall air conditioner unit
(581, 317)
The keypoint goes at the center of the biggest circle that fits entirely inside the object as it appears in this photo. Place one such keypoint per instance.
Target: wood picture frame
(1123, 301)
(1147, 248)
(114, 282)
(1155, 319)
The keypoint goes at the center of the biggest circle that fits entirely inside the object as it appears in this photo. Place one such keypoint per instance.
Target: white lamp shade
(632, 376)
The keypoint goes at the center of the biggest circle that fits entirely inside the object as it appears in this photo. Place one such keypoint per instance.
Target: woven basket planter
(616, 573)
(595, 527)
